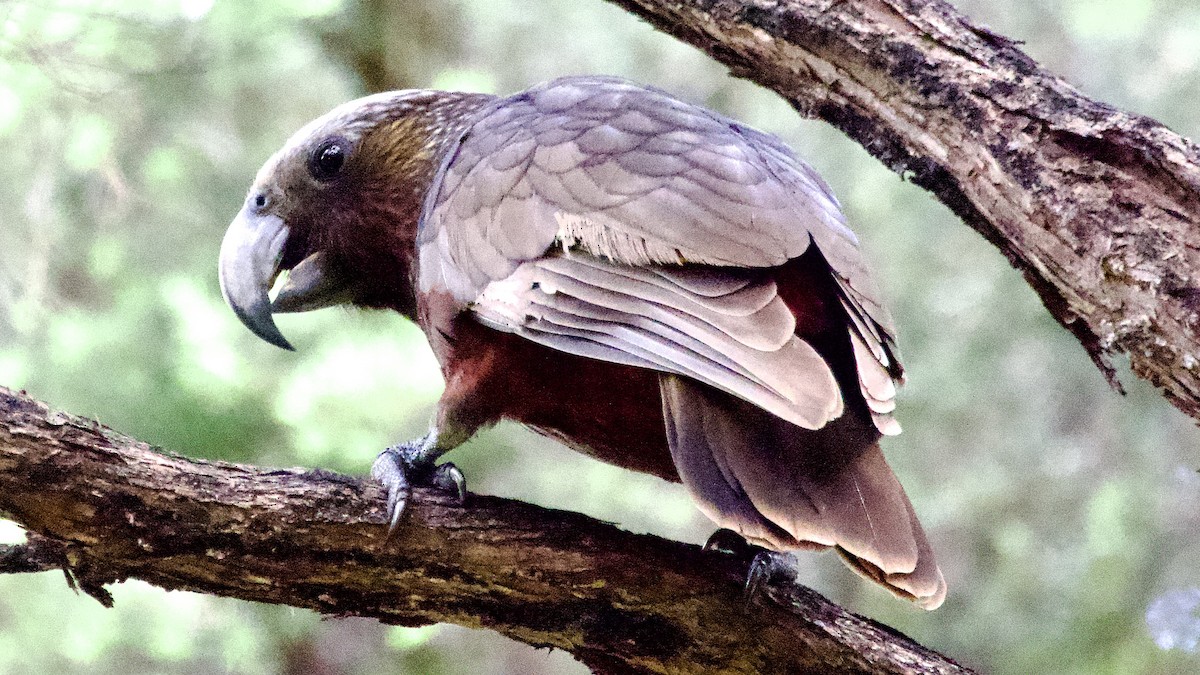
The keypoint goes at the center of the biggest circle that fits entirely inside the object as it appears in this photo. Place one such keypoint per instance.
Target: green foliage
(1062, 513)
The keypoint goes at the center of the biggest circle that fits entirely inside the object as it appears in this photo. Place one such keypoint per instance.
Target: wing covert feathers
(626, 173)
(726, 328)
(634, 177)
(786, 487)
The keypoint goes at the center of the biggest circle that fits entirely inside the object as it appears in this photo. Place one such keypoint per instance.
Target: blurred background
(1066, 517)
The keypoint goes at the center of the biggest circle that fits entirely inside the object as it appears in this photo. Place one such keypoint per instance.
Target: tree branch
(1099, 208)
(105, 508)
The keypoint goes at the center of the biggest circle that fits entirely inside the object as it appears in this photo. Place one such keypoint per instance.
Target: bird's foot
(765, 567)
(400, 467)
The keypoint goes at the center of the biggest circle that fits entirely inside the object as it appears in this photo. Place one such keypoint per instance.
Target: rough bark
(105, 508)
(1099, 208)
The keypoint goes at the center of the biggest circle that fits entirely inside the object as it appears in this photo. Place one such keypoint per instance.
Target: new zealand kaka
(652, 283)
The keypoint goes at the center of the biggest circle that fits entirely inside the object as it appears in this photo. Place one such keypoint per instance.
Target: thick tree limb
(107, 508)
(1099, 208)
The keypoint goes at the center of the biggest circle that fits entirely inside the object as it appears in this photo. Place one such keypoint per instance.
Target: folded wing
(636, 178)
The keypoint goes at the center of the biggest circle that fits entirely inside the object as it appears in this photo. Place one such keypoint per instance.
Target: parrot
(645, 280)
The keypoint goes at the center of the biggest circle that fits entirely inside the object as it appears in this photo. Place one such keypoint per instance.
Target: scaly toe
(391, 470)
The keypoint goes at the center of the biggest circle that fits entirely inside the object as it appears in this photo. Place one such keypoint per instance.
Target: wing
(636, 188)
(726, 328)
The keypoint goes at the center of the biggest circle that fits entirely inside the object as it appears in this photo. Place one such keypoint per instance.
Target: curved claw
(397, 503)
(450, 478)
(764, 567)
(727, 541)
(391, 470)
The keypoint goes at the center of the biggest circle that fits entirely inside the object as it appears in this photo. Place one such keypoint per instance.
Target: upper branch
(1099, 208)
(107, 508)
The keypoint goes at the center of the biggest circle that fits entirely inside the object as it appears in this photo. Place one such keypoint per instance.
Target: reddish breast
(609, 411)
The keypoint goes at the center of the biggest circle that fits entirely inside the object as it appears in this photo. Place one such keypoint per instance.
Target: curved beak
(250, 255)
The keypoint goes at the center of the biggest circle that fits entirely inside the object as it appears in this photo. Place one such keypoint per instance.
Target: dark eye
(327, 158)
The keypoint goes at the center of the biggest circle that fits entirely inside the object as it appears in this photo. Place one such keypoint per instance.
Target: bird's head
(337, 209)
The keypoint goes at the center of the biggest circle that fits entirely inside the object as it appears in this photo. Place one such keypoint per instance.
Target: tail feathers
(785, 487)
(924, 585)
